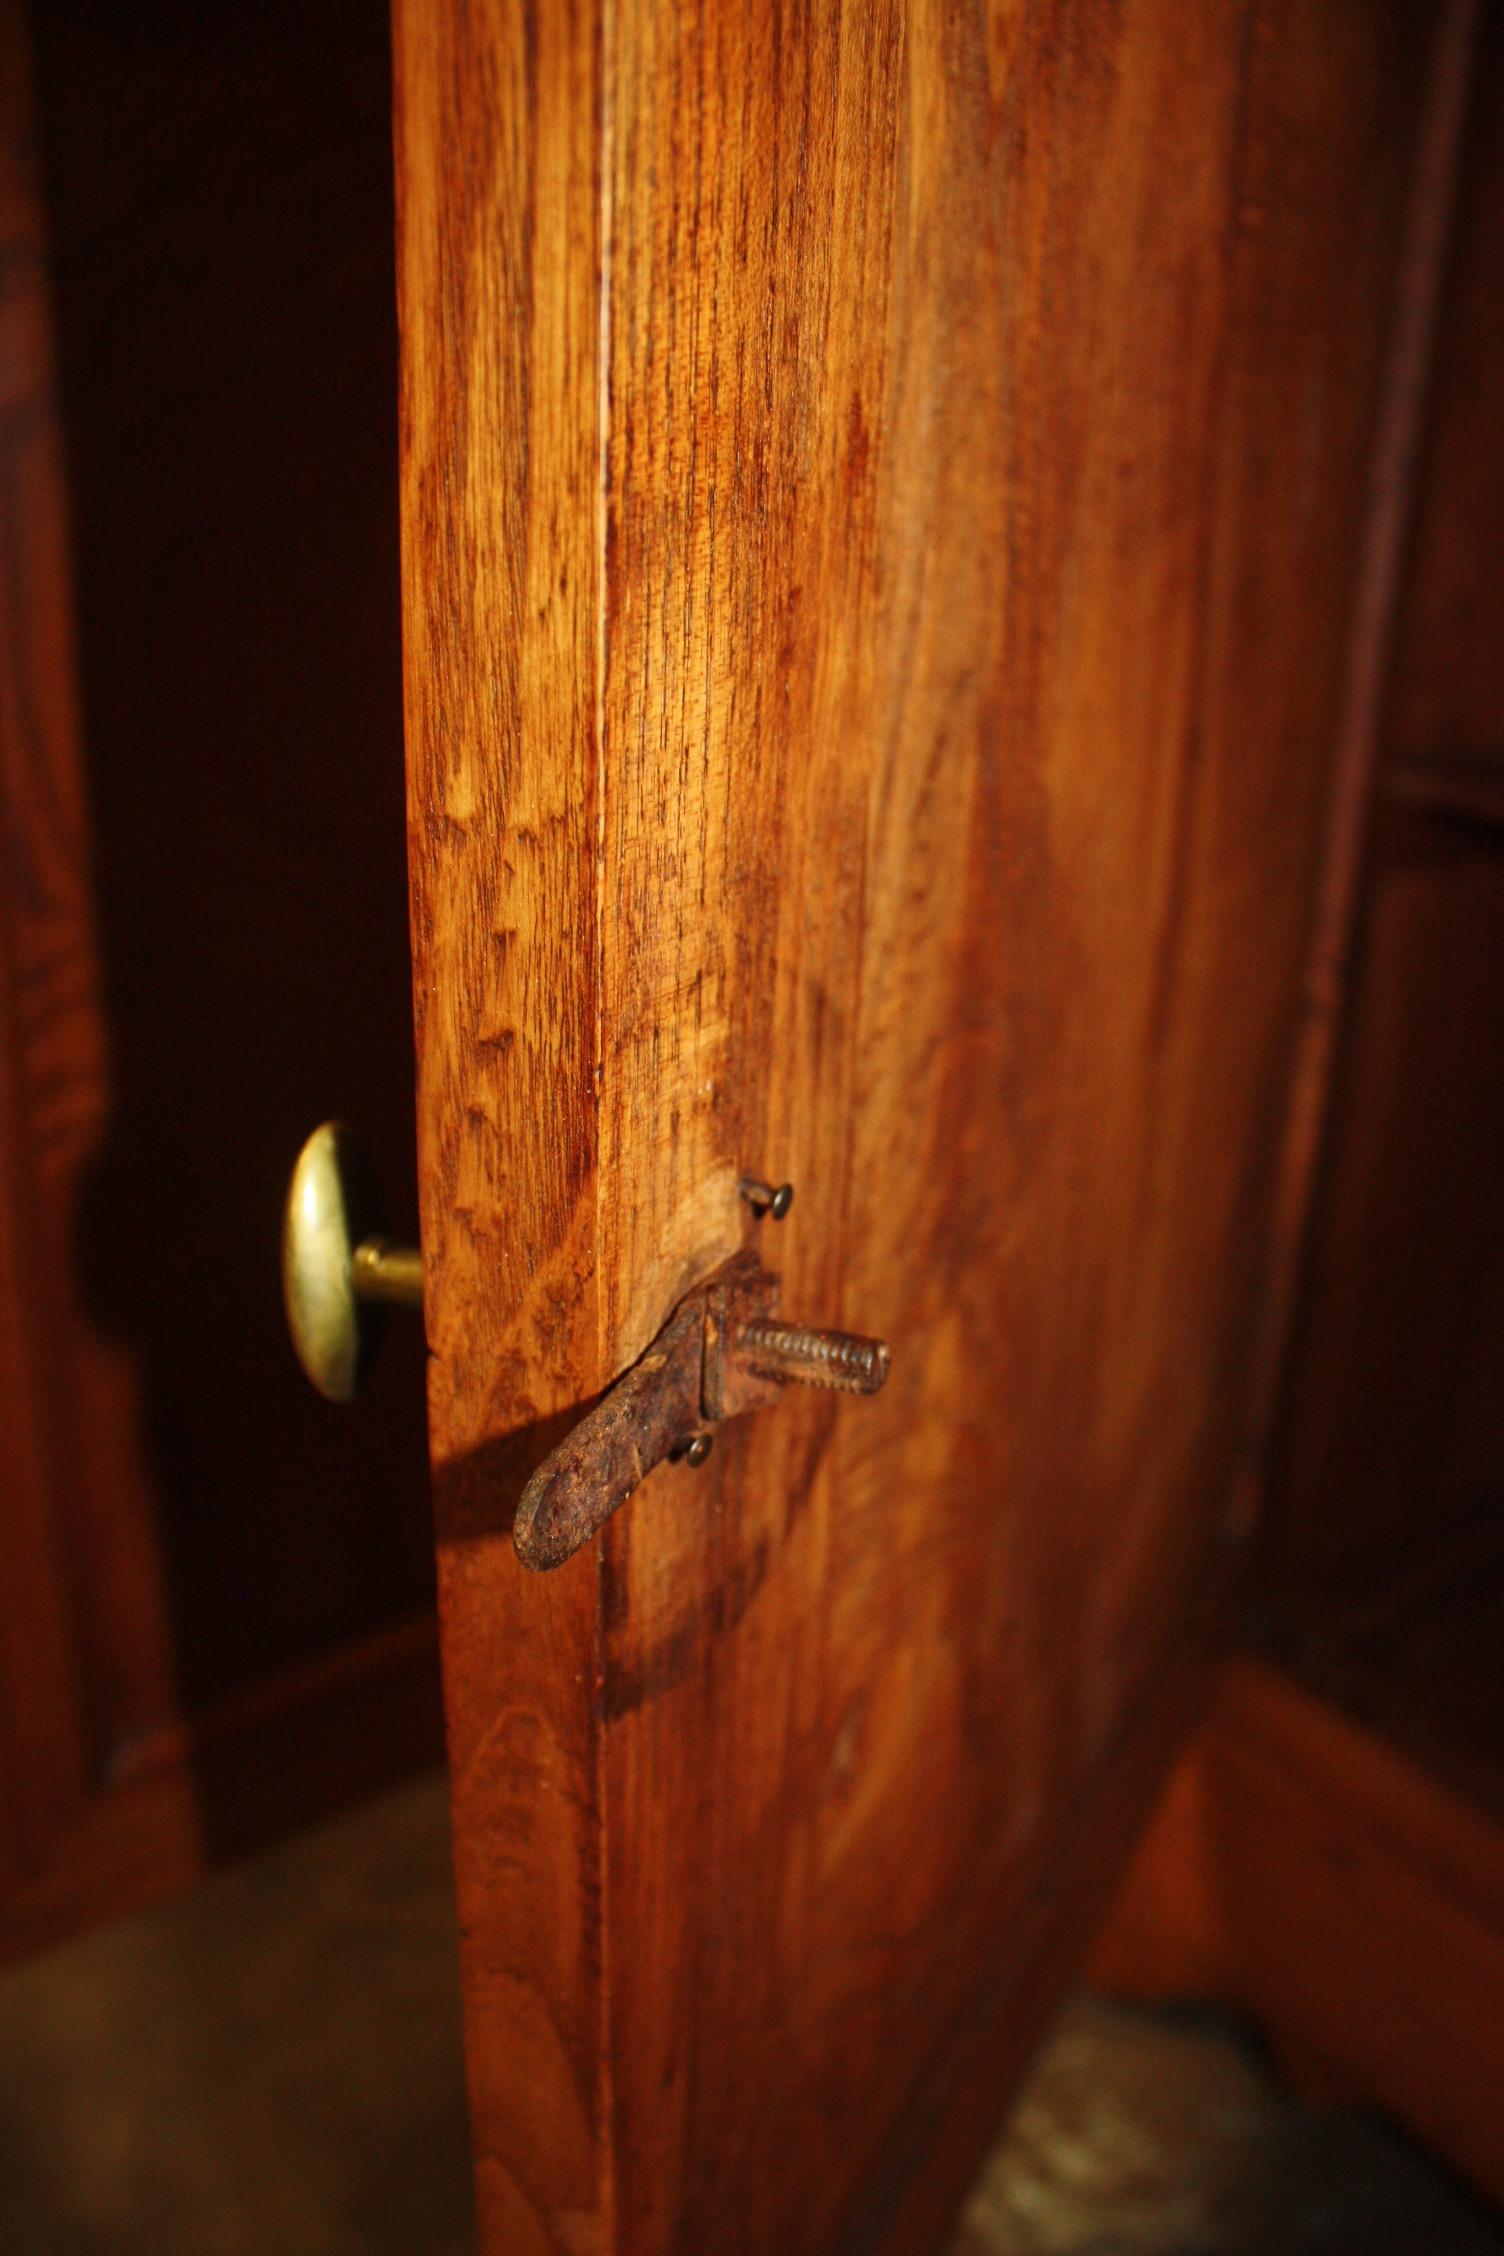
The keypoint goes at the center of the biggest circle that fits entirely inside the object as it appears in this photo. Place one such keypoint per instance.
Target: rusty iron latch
(722, 1352)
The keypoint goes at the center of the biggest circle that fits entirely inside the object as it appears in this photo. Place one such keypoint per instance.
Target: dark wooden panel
(50, 1043)
(1449, 678)
(1455, 786)
(219, 198)
(882, 493)
(1384, 1569)
(202, 935)
(1383, 1575)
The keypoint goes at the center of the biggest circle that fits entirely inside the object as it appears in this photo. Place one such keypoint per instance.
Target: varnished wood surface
(1304, 1871)
(880, 497)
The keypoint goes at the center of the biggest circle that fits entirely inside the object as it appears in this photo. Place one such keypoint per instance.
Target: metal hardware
(843, 1360)
(394, 1274)
(337, 1270)
(720, 1355)
(767, 1198)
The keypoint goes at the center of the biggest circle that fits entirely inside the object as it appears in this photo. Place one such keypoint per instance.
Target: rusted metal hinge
(722, 1353)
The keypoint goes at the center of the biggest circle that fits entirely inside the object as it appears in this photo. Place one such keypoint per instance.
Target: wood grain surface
(881, 491)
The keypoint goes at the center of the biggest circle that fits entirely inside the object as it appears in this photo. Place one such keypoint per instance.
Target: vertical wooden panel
(979, 405)
(922, 799)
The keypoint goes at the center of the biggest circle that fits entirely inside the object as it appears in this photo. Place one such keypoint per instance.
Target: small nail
(767, 1198)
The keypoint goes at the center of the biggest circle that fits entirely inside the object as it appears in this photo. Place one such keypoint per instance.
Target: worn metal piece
(334, 1266)
(648, 1415)
(720, 1355)
(767, 1198)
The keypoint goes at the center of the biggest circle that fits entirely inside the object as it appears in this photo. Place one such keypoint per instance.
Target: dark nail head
(767, 1198)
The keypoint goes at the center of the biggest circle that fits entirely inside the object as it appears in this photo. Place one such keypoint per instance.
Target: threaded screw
(797, 1354)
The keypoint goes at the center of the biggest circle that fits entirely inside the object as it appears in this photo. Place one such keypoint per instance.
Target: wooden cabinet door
(883, 492)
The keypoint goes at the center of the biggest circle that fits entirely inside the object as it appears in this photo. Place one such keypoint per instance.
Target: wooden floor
(1166, 2133)
(271, 2067)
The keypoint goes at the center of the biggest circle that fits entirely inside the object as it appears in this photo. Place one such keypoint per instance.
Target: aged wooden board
(881, 495)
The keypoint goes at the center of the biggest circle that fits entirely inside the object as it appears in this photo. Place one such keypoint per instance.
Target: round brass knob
(337, 1268)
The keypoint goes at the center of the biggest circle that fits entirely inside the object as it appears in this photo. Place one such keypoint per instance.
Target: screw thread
(844, 1361)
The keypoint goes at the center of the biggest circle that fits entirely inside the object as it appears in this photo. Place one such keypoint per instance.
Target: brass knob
(337, 1268)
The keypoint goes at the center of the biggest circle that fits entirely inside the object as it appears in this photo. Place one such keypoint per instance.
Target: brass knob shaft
(338, 1269)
